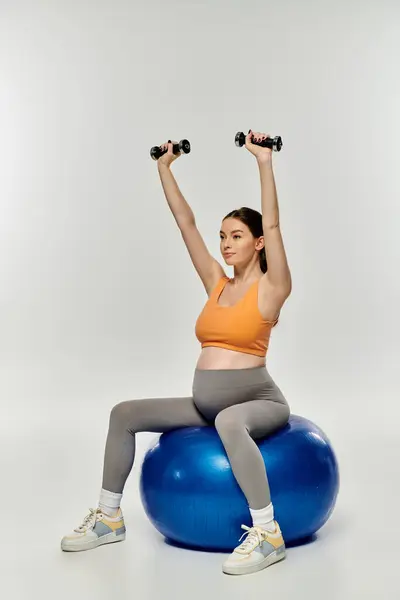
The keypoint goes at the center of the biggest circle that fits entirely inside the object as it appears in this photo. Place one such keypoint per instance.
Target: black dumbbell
(273, 143)
(182, 146)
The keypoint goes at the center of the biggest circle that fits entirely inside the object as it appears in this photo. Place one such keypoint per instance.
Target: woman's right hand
(168, 158)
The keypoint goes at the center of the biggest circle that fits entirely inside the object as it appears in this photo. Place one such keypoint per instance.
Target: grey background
(98, 297)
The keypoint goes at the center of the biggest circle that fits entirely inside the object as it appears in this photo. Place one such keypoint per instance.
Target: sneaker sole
(272, 558)
(109, 538)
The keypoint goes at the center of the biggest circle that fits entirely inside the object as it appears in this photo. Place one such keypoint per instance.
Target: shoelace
(254, 539)
(89, 520)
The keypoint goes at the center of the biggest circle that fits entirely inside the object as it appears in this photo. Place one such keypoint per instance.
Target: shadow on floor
(302, 542)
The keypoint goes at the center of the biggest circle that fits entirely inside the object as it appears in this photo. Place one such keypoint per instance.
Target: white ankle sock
(109, 502)
(264, 517)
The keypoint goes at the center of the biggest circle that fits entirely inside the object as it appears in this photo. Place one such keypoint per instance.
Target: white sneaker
(259, 550)
(96, 529)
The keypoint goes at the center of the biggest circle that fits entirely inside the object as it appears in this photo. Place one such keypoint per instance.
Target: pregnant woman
(232, 389)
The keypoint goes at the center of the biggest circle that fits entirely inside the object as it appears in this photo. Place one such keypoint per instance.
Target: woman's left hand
(259, 152)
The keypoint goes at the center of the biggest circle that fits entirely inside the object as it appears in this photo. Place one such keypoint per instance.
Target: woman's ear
(260, 243)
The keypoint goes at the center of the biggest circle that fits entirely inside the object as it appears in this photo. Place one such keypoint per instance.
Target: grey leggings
(242, 404)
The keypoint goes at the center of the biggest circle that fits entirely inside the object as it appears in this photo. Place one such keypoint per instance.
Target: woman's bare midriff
(220, 358)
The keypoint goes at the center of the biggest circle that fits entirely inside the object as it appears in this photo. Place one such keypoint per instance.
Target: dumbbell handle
(183, 146)
(272, 143)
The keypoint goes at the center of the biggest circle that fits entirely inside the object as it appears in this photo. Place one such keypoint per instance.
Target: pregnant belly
(221, 358)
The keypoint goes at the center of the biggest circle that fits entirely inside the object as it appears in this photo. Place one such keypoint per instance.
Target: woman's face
(238, 244)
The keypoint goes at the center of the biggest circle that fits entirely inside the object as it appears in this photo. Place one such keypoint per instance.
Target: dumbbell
(182, 146)
(273, 143)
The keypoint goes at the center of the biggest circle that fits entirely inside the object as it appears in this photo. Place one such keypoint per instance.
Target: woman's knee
(227, 423)
(122, 413)
(284, 414)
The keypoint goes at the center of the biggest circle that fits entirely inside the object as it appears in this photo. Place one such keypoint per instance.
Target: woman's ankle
(109, 502)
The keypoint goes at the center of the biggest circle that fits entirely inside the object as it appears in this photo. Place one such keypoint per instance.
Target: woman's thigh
(157, 415)
(260, 418)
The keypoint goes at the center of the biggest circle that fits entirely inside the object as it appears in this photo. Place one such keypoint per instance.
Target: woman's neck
(247, 276)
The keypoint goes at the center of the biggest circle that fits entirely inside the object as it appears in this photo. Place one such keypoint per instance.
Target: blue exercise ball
(191, 496)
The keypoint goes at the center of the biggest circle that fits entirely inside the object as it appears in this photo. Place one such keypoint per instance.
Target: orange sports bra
(240, 327)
